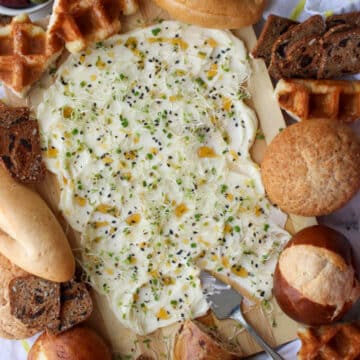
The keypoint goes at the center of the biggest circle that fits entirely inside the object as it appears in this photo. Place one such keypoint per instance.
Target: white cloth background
(298, 10)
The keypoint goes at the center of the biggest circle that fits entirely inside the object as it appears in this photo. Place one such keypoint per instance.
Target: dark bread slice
(10, 116)
(352, 19)
(273, 28)
(76, 305)
(311, 27)
(341, 54)
(20, 144)
(35, 301)
(303, 58)
(21, 153)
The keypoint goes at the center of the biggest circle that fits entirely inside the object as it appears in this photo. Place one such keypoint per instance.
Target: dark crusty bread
(35, 301)
(273, 28)
(341, 54)
(303, 58)
(279, 58)
(352, 19)
(20, 144)
(76, 305)
(10, 116)
(312, 168)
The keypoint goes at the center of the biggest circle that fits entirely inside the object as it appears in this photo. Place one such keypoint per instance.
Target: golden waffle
(80, 22)
(25, 53)
(339, 342)
(309, 99)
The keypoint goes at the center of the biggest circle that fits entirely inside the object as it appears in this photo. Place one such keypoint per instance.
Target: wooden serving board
(271, 323)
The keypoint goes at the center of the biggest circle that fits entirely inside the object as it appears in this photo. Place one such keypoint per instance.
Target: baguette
(30, 235)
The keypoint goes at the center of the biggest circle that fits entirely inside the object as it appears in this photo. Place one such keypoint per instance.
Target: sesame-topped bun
(220, 14)
(315, 281)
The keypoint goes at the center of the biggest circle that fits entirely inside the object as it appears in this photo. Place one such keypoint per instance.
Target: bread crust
(76, 344)
(312, 168)
(229, 14)
(30, 235)
(10, 327)
(195, 342)
(296, 304)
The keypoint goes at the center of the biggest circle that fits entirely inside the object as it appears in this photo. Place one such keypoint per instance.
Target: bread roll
(10, 327)
(315, 281)
(30, 235)
(312, 168)
(80, 343)
(221, 14)
(197, 342)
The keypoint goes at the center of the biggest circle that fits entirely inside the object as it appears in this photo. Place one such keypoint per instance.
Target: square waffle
(80, 22)
(311, 99)
(338, 342)
(25, 53)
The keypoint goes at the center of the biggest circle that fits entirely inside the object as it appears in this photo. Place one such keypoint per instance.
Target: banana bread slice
(352, 19)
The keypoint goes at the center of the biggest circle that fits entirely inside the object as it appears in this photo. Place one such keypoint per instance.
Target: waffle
(80, 22)
(339, 342)
(311, 99)
(25, 53)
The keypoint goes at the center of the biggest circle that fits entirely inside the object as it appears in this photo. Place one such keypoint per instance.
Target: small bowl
(13, 12)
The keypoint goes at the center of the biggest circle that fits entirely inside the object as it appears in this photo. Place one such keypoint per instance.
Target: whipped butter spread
(149, 137)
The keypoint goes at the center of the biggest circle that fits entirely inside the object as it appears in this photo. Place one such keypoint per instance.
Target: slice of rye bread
(273, 28)
(10, 116)
(341, 54)
(352, 19)
(20, 145)
(303, 58)
(35, 301)
(76, 305)
(311, 27)
(21, 153)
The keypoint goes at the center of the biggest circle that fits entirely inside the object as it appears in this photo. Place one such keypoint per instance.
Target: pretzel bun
(79, 343)
(195, 341)
(30, 235)
(220, 14)
(315, 281)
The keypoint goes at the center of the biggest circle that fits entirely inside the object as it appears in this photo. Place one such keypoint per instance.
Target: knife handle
(237, 315)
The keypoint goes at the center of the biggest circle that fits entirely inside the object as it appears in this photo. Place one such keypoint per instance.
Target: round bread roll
(79, 343)
(228, 14)
(10, 326)
(195, 341)
(30, 235)
(312, 168)
(315, 281)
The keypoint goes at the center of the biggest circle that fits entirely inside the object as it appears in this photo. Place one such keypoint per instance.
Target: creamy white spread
(149, 137)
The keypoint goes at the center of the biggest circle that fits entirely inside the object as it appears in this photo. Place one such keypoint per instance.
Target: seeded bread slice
(352, 19)
(76, 305)
(35, 301)
(273, 28)
(313, 26)
(341, 54)
(10, 116)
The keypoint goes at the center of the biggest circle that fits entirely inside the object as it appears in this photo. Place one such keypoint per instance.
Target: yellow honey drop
(99, 224)
(227, 103)
(238, 270)
(107, 160)
(181, 209)
(168, 280)
(225, 261)
(213, 71)
(230, 197)
(163, 314)
(104, 208)
(177, 41)
(227, 229)
(93, 77)
(206, 152)
(133, 219)
(130, 155)
(52, 153)
(212, 42)
(80, 201)
(67, 111)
